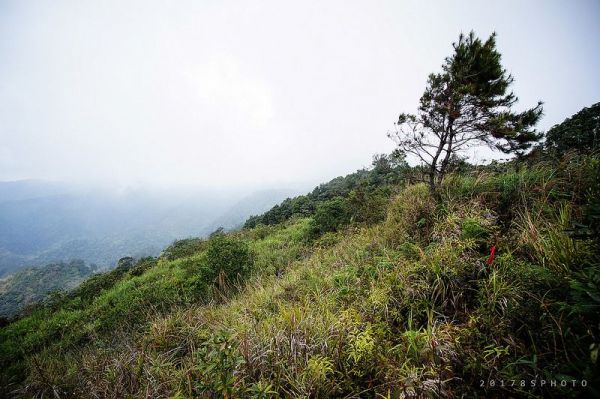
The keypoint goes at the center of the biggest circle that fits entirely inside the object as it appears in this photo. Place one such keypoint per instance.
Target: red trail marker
(490, 259)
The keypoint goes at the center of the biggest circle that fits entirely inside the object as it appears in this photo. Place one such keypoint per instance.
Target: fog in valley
(45, 222)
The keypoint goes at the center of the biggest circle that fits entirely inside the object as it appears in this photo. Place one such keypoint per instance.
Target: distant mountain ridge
(43, 222)
(30, 285)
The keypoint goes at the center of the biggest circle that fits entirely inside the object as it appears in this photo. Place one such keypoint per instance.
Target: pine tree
(467, 104)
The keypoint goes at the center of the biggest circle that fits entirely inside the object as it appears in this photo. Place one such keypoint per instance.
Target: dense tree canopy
(370, 184)
(580, 132)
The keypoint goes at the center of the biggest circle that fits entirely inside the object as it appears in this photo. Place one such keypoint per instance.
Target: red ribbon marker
(490, 260)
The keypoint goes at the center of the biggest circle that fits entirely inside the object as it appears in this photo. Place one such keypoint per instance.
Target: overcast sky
(219, 93)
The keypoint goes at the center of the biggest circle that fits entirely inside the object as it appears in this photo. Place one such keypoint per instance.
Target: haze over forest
(45, 222)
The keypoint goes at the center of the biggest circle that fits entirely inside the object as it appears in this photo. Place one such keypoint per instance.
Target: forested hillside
(31, 285)
(42, 222)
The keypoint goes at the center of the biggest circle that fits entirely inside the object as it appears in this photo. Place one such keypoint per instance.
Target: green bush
(472, 229)
(330, 216)
(578, 132)
(228, 255)
(143, 265)
(368, 206)
(183, 248)
(218, 360)
(410, 215)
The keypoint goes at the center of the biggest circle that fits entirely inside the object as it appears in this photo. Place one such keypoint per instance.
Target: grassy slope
(399, 307)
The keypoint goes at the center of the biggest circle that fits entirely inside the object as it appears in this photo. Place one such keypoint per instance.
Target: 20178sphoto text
(535, 383)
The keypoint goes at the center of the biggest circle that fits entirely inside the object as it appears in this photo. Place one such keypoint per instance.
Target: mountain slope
(408, 305)
(31, 285)
(43, 222)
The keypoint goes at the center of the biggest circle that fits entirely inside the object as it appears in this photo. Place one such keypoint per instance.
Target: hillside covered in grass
(337, 302)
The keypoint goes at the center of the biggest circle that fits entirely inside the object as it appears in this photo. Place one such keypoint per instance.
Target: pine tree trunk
(432, 188)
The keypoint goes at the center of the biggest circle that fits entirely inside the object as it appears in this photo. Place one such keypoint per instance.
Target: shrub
(367, 206)
(330, 216)
(317, 372)
(218, 360)
(228, 255)
(579, 132)
(142, 265)
(410, 214)
(472, 229)
(183, 248)
(125, 263)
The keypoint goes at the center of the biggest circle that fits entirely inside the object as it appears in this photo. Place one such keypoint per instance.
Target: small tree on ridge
(467, 104)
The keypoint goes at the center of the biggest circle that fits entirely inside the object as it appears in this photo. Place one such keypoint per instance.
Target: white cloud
(229, 94)
(226, 94)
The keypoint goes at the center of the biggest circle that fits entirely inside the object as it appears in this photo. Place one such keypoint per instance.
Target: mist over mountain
(42, 222)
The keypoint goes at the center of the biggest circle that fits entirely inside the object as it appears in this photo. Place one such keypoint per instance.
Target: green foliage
(217, 361)
(368, 206)
(587, 171)
(472, 229)
(94, 285)
(366, 189)
(467, 104)
(31, 285)
(183, 248)
(318, 369)
(143, 265)
(410, 214)
(276, 247)
(400, 307)
(229, 256)
(580, 132)
(330, 216)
